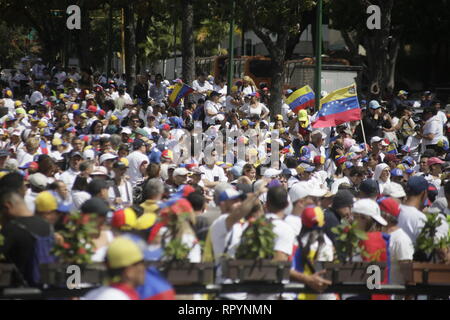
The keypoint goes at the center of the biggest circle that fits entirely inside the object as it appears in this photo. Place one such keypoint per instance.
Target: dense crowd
(129, 158)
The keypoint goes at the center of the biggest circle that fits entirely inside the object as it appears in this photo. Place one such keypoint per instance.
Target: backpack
(199, 113)
(41, 255)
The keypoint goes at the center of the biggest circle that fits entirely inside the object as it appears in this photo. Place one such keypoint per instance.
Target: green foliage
(348, 242)
(77, 247)
(426, 242)
(258, 240)
(176, 250)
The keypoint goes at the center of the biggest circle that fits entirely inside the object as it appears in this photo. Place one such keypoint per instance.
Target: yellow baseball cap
(114, 118)
(279, 117)
(57, 142)
(303, 117)
(244, 122)
(75, 106)
(42, 124)
(21, 111)
(9, 93)
(123, 252)
(46, 201)
(234, 89)
(18, 103)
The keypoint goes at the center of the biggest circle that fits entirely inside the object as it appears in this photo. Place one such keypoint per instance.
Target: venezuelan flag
(338, 107)
(301, 99)
(155, 287)
(178, 93)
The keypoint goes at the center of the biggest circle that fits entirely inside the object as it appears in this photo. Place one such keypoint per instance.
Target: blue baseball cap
(229, 194)
(236, 171)
(397, 172)
(369, 187)
(374, 105)
(409, 160)
(416, 185)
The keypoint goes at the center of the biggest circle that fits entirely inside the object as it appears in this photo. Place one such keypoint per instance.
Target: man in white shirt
(401, 248)
(432, 130)
(226, 231)
(201, 87)
(411, 219)
(316, 145)
(69, 176)
(212, 108)
(277, 202)
(138, 162)
(212, 174)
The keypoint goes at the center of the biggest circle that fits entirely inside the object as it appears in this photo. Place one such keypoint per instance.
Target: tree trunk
(130, 46)
(84, 50)
(379, 56)
(188, 43)
(276, 89)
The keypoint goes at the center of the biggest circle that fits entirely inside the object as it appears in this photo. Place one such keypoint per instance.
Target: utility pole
(110, 37)
(231, 48)
(123, 39)
(318, 71)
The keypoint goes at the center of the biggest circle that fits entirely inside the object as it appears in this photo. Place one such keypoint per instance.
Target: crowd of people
(73, 142)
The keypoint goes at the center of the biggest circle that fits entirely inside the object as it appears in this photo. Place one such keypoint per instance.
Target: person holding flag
(180, 91)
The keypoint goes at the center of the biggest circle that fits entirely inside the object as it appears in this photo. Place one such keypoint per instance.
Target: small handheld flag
(338, 107)
(301, 99)
(179, 92)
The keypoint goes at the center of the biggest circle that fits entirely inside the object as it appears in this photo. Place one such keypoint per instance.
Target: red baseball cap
(92, 109)
(101, 112)
(389, 205)
(434, 160)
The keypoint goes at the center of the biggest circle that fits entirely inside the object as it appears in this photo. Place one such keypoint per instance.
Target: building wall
(254, 46)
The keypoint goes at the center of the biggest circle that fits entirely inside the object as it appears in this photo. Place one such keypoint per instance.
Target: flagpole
(364, 135)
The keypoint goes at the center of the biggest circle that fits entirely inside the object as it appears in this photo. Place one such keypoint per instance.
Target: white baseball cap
(298, 191)
(180, 172)
(89, 154)
(126, 130)
(394, 190)
(99, 171)
(375, 139)
(38, 180)
(271, 172)
(356, 149)
(107, 156)
(369, 207)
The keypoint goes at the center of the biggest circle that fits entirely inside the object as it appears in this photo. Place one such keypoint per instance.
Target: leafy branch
(258, 240)
(348, 243)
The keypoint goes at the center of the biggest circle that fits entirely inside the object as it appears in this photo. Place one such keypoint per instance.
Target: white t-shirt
(411, 221)
(284, 242)
(202, 89)
(126, 194)
(338, 182)
(401, 248)
(433, 125)
(222, 240)
(259, 110)
(442, 117)
(210, 174)
(135, 159)
(211, 107)
(80, 197)
(68, 177)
